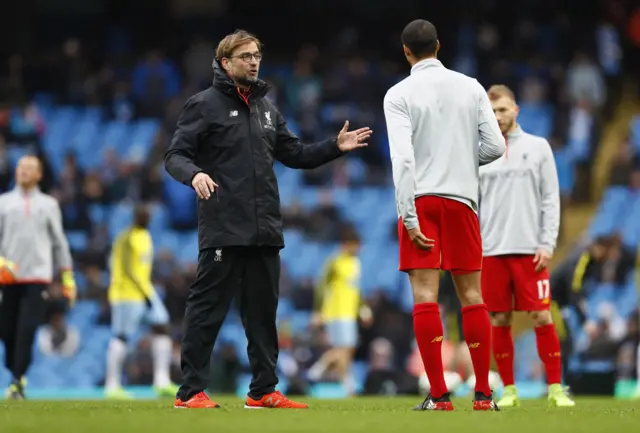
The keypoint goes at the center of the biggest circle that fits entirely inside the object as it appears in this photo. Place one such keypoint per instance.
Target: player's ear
(406, 50)
(516, 109)
(437, 47)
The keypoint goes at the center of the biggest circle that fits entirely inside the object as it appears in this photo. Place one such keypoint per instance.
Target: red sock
(476, 327)
(549, 352)
(427, 326)
(503, 353)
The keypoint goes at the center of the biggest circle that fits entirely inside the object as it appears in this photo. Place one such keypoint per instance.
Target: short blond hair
(498, 91)
(231, 42)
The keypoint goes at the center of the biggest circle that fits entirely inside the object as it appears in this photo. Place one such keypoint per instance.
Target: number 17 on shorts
(544, 291)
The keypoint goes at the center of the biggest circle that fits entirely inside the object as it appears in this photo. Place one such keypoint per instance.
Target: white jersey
(441, 128)
(520, 198)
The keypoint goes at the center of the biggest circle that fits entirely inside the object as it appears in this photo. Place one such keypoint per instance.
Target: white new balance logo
(270, 403)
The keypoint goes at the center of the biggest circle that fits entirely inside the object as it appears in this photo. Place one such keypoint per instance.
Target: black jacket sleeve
(292, 153)
(179, 160)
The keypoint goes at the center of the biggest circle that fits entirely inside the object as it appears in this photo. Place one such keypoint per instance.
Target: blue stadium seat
(630, 224)
(580, 148)
(159, 217)
(15, 153)
(121, 217)
(188, 248)
(608, 216)
(77, 240)
(168, 240)
(85, 137)
(536, 119)
(180, 200)
(285, 307)
(300, 321)
(99, 214)
(566, 170)
(141, 140)
(627, 297)
(357, 170)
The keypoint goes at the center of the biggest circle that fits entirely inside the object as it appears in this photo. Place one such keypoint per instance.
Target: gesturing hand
(420, 240)
(349, 140)
(203, 185)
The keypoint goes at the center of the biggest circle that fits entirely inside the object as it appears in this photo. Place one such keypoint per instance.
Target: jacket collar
(515, 133)
(26, 193)
(222, 82)
(426, 63)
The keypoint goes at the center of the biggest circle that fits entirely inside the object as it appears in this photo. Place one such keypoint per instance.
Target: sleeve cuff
(547, 248)
(411, 224)
(190, 180)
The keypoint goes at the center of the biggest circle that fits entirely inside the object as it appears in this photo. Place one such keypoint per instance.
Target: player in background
(338, 304)
(441, 128)
(134, 300)
(520, 219)
(32, 245)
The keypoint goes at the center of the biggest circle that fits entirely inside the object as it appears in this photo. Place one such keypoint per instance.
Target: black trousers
(22, 310)
(250, 274)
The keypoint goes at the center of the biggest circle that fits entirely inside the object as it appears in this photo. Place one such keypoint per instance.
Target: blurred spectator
(585, 81)
(383, 377)
(303, 295)
(28, 123)
(12, 82)
(602, 335)
(225, 369)
(623, 165)
(58, 338)
(73, 71)
(122, 106)
(5, 166)
(324, 223)
(96, 288)
(155, 81)
(197, 63)
(70, 194)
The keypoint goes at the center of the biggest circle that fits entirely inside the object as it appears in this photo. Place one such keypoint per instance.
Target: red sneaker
(198, 401)
(443, 403)
(482, 402)
(275, 400)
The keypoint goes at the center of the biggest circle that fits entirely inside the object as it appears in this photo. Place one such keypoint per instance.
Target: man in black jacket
(226, 142)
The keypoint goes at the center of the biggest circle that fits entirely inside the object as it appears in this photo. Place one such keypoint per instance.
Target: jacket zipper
(27, 206)
(255, 188)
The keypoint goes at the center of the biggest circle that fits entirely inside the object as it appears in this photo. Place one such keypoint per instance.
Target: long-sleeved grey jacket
(31, 235)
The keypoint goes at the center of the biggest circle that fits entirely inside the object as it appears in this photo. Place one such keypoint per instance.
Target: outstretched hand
(349, 140)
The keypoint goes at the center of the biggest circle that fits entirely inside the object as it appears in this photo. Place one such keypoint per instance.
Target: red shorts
(511, 283)
(455, 229)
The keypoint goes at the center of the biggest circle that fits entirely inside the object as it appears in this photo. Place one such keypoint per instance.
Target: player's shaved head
(141, 216)
(420, 38)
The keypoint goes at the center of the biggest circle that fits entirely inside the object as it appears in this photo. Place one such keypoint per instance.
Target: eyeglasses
(246, 57)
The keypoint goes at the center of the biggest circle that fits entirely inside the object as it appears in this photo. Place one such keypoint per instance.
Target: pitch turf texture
(384, 415)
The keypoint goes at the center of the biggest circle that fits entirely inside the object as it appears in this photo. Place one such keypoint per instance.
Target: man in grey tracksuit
(519, 219)
(32, 240)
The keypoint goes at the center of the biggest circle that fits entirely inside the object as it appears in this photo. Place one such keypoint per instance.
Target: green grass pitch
(369, 415)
